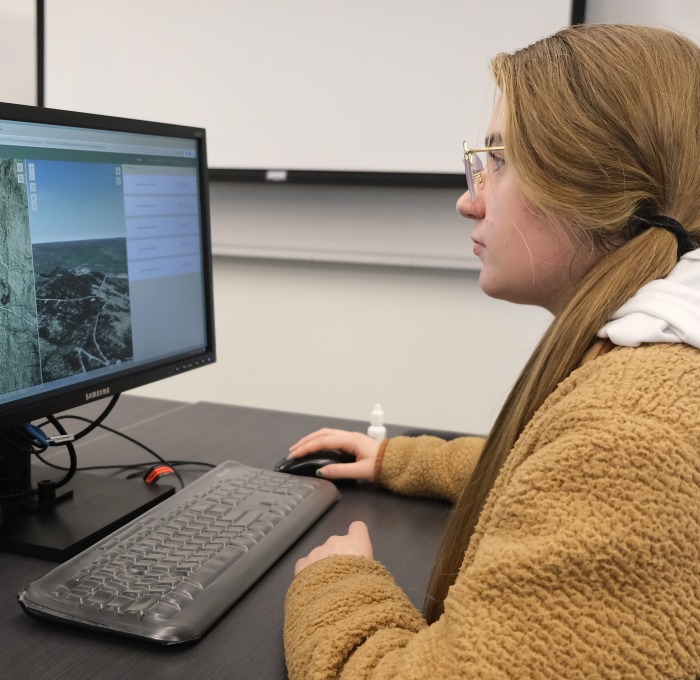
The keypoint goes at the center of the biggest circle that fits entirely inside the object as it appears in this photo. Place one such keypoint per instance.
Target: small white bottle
(376, 429)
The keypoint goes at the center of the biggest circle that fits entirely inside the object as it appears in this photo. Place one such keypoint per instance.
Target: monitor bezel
(25, 409)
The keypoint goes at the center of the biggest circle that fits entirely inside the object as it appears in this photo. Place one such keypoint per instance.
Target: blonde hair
(602, 131)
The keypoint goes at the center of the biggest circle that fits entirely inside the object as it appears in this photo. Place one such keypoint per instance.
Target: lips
(478, 247)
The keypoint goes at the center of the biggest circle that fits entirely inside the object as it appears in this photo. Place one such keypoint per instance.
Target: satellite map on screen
(64, 305)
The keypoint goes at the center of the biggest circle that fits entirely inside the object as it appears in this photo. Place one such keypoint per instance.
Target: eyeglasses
(474, 166)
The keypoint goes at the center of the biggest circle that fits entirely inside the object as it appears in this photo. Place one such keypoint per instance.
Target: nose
(471, 209)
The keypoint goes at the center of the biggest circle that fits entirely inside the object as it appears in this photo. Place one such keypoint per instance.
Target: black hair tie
(685, 242)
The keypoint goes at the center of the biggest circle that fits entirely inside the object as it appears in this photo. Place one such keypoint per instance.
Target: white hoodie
(665, 310)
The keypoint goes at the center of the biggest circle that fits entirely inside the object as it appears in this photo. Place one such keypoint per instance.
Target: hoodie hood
(665, 310)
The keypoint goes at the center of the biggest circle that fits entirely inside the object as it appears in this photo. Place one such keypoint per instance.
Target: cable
(157, 456)
(92, 423)
(136, 442)
(71, 453)
(38, 443)
(98, 421)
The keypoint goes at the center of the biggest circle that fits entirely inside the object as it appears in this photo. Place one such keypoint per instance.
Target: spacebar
(216, 566)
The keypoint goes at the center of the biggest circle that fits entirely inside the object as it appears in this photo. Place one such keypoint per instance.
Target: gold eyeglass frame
(470, 167)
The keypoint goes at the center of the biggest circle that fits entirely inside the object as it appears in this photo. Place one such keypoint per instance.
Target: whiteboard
(315, 85)
(678, 15)
(18, 48)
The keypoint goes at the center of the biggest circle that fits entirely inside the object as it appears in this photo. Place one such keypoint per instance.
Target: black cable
(98, 421)
(126, 466)
(132, 466)
(38, 448)
(93, 423)
(157, 456)
(20, 432)
(71, 453)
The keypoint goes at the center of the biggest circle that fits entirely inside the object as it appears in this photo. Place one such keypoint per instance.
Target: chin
(490, 286)
(498, 291)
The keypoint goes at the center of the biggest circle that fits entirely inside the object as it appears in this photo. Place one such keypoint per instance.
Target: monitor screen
(105, 258)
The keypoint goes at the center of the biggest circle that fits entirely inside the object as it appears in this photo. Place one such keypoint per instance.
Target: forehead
(494, 131)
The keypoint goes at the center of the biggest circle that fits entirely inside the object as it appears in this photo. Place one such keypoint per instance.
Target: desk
(247, 642)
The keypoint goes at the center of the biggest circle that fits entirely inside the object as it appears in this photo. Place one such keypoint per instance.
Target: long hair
(602, 131)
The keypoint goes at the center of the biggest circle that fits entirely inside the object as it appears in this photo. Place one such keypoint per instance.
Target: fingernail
(319, 472)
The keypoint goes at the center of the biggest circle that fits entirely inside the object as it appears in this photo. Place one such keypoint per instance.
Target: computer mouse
(307, 465)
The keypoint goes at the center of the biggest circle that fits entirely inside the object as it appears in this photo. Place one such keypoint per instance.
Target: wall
(334, 337)
(311, 330)
(279, 85)
(18, 52)
(678, 15)
(325, 334)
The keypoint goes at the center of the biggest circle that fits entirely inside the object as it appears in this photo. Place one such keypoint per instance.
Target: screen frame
(25, 409)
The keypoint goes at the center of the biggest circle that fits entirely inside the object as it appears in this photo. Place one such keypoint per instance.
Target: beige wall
(333, 339)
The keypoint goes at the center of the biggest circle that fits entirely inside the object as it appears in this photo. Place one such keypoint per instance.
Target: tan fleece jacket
(585, 561)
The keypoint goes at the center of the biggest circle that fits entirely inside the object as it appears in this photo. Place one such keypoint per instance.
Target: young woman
(573, 549)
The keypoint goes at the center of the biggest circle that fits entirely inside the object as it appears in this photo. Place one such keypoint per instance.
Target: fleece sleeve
(428, 466)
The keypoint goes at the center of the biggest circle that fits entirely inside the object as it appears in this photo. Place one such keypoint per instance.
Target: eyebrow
(494, 139)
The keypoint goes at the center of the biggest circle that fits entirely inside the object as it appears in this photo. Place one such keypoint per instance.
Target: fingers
(359, 470)
(356, 443)
(364, 448)
(355, 542)
(321, 439)
(359, 534)
(358, 530)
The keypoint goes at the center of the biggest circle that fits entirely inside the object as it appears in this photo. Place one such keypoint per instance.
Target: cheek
(507, 269)
(541, 241)
(524, 263)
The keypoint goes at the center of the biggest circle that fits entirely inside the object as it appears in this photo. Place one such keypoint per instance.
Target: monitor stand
(59, 530)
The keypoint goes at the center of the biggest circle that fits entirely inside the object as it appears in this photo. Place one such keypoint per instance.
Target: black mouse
(307, 465)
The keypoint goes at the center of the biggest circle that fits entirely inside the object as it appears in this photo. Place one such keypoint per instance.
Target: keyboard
(170, 574)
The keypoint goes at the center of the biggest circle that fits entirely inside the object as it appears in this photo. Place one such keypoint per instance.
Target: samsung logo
(97, 393)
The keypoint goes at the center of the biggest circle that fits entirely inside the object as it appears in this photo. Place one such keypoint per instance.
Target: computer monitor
(105, 285)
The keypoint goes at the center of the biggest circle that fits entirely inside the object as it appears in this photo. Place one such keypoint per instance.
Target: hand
(355, 542)
(364, 449)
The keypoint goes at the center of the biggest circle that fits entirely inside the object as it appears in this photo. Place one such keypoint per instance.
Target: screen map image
(64, 305)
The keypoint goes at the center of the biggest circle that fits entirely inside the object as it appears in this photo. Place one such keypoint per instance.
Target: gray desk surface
(247, 641)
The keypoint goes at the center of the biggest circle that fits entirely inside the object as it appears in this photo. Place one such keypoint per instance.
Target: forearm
(427, 466)
(338, 606)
